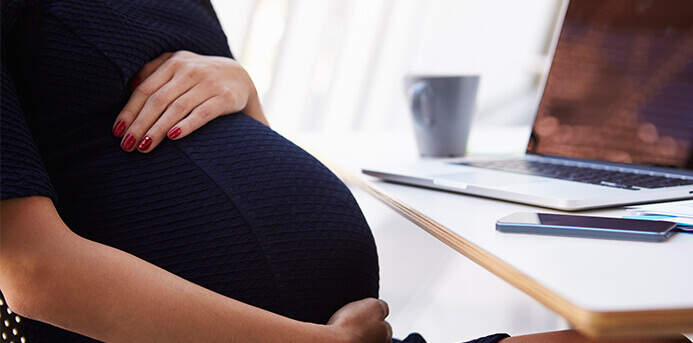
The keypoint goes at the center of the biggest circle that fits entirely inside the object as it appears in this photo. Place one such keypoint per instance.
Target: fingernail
(135, 82)
(119, 129)
(174, 132)
(145, 143)
(128, 142)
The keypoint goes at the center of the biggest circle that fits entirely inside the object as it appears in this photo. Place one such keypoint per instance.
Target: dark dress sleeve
(416, 338)
(22, 172)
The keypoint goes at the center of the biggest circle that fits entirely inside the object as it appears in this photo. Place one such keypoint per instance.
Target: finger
(175, 112)
(166, 68)
(128, 113)
(138, 99)
(389, 332)
(386, 308)
(202, 114)
(150, 67)
(154, 107)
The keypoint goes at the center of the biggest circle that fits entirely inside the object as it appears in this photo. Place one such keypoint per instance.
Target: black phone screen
(578, 221)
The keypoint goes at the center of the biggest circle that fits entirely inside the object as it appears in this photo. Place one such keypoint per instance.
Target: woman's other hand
(177, 93)
(362, 321)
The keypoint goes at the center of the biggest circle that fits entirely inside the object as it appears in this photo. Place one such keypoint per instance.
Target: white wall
(338, 64)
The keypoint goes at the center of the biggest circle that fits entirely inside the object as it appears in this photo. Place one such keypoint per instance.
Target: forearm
(123, 299)
(112, 296)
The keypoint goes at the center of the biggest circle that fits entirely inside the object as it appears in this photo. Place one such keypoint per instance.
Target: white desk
(603, 287)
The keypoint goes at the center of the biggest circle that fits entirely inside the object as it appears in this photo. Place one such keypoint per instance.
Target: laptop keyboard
(610, 178)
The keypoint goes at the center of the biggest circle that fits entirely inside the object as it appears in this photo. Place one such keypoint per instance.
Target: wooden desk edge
(596, 324)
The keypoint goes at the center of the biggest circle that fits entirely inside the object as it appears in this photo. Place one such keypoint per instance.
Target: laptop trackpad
(486, 178)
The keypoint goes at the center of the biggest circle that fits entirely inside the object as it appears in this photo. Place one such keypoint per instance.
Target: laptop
(613, 125)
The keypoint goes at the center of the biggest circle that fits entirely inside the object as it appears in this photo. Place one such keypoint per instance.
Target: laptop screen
(620, 87)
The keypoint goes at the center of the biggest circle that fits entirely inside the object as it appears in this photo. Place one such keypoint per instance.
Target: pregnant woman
(223, 232)
(196, 222)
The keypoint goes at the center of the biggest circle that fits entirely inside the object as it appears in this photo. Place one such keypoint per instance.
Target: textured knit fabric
(495, 338)
(234, 207)
(412, 338)
(416, 338)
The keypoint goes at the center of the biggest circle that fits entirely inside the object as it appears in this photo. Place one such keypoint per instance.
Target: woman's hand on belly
(177, 93)
(362, 321)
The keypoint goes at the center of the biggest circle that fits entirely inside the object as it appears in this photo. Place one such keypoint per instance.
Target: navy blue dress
(233, 207)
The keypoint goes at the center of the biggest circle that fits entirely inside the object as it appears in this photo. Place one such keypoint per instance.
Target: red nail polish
(119, 129)
(135, 82)
(145, 143)
(128, 142)
(175, 132)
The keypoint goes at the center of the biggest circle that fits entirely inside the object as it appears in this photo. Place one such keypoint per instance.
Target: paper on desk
(680, 212)
(682, 208)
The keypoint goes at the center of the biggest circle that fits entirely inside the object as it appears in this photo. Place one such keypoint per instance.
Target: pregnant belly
(235, 208)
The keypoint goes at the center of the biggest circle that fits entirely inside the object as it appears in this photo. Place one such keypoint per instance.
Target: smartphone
(586, 226)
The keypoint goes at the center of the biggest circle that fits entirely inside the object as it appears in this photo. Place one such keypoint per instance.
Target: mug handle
(421, 95)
